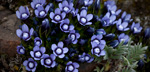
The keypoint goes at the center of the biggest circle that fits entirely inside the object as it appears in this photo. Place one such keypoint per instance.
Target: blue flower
(85, 58)
(122, 26)
(110, 36)
(88, 2)
(37, 41)
(84, 19)
(112, 8)
(126, 17)
(40, 12)
(37, 52)
(114, 43)
(147, 32)
(136, 28)
(72, 67)
(108, 19)
(74, 36)
(74, 12)
(65, 6)
(23, 13)
(20, 50)
(25, 33)
(97, 49)
(57, 17)
(45, 24)
(48, 61)
(30, 64)
(97, 39)
(123, 37)
(36, 3)
(65, 27)
(58, 50)
(101, 31)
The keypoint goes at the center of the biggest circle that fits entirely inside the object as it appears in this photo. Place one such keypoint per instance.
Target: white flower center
(59, 51)
(97, 50)
(25, 35)
(66, 9)
(38, 54)
(120, 27)
(48, 61)
(70, 68)
(31, 65)
(87, 58)
(65, 27)
(83, 20)
(97, 41)
(42, 13)
(122, 40)
(24, 15)
(57, 17)
(73, 36)
(38, 43)
(136, 30)
(37, 5)
(22, 50)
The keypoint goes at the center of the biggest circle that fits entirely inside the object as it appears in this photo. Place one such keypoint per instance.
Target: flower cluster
(74, 29)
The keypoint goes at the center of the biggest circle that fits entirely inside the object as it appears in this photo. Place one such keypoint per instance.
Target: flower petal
(83, 13)
(53, 47)
(63, 15)
(42, 49)
(18, 32)
(89, 23)
(65, 50)
(76, 65)
(25, 28)
(60, 44)
(31, 31)
(25, 63)
(53, 56)
(36, 48)
(89, 17)
(102, 53)
(51, 15)
(57, 11)
(32, 53)
(61, 56)
(18, 14)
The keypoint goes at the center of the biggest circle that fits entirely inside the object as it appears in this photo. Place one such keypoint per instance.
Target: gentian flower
(45, 24)
(110, 36)
(97, 40)
(126, 17)
(30, 64)
(37, 52)
(147, 32)
(108, 19)
(48, 61)
(65, 27)
(114, 43)
(97, 49)
(57, 17)
(36, 3)
(37, 41)
(40, 12)
(101, 31)
(136, 28)
(25, 33)
(85, 58)
(123, 37)
(84, 19)
(74, 36)
(122, 26)
(65, 6)
(74, 12)
(23, 13)
(112, 8)
(20, 50)
(58, 50)
(72, 67)
(88, 2)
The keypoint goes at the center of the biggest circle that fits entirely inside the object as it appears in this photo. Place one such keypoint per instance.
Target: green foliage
(128, 55)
